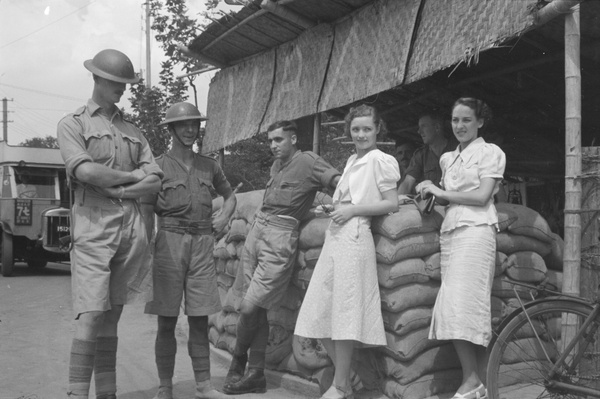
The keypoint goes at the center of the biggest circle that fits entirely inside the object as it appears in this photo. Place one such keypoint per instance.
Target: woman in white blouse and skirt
(470, 177)
(342, 306)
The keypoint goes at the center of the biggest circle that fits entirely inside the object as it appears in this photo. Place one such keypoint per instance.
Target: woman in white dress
(342, 306)
(470, 177)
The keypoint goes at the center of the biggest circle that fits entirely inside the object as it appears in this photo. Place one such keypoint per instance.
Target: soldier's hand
(137, 175)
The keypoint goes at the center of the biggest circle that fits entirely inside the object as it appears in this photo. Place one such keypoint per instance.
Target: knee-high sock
(258, 347)
(81, 366)
(165, 349)
(198, 347)
(105, 364)
(246, 329)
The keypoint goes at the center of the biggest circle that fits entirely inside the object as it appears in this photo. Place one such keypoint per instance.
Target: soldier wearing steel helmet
(183, 253)
(110, 166)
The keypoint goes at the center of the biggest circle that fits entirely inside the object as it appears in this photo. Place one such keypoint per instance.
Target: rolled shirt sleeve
(72, 145)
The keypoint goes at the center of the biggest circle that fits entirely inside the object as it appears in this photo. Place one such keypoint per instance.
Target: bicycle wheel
(519, 361)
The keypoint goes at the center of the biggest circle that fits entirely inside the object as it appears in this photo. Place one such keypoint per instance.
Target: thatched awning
(383, 44)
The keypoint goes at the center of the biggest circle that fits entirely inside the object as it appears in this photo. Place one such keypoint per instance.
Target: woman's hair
(365, 110)
(481, 109)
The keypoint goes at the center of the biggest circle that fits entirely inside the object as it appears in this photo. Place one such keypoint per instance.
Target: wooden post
(317, 134)
(572, 253)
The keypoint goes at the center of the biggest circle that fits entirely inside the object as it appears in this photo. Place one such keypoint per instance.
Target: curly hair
(481, 109)
(364, 110)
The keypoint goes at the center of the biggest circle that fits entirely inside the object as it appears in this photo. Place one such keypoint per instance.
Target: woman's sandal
(478, 393)
(346, 394)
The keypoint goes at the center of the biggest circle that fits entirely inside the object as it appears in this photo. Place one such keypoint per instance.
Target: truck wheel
(7, 254)
(37, 263)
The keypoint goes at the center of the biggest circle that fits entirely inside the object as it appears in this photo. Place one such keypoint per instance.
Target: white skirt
(342, 301)
(463, 306)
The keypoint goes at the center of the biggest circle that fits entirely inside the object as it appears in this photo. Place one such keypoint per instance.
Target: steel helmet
(112, 65)
(182, 112)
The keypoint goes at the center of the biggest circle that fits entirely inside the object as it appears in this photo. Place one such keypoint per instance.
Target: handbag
(424, 205)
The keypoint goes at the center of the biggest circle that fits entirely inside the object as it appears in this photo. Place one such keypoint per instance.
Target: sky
(43, 44)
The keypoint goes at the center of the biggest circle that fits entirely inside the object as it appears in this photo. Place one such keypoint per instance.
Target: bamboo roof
(407, 57)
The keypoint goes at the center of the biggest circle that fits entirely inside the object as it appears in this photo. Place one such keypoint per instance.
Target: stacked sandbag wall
(408, 261)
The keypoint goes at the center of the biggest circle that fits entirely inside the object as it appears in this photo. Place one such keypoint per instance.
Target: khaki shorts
(183, 263)
(109, 250)
(267, 261)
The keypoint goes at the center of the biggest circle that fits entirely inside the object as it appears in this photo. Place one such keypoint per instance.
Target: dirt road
(36, 329)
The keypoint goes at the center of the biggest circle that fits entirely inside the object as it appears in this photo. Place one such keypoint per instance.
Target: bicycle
(536, 355)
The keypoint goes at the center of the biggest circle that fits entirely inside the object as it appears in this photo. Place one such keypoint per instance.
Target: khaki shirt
(185, 194)
(90, 135)
(425, 164)
(293, 185)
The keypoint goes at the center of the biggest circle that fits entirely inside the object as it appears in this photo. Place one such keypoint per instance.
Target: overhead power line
(45, 26)
(79, 100)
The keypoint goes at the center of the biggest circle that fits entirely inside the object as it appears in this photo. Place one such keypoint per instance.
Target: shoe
(236, 369)
(253, 382)
(478, 393)
(340, 393)
(164, 393)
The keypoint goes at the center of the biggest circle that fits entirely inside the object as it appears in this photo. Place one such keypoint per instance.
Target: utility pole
(5, 119)
(148, 61)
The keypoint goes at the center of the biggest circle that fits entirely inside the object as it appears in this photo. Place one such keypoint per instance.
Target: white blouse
(367, 177)
(462, 171)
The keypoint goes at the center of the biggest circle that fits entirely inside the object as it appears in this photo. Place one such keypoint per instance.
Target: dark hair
(364, 110)
(481, 109)
(286, 126)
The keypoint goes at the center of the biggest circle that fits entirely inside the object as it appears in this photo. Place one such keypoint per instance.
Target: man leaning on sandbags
(269, 251)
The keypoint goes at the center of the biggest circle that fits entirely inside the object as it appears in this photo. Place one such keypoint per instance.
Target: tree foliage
(41, 142)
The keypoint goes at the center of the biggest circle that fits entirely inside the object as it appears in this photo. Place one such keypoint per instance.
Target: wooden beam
(553, 10)
(287, 14)
(234, 28)
(208, 60)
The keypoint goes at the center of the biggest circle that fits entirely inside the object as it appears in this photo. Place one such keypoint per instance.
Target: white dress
(342, 301)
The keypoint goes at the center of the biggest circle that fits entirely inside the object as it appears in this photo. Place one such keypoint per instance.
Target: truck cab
(34, 207)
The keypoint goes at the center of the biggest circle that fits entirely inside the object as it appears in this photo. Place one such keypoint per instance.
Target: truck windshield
(36, 182)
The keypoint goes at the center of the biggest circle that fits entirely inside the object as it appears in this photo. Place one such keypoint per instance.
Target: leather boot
(236, 369)
(253, 382)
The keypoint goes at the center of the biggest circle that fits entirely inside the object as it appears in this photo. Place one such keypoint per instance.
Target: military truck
(34, 207)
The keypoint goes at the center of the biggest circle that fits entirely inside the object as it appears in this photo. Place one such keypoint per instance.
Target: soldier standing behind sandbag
(183, 253)
(269, 253)
(342, 306)
(471, 175)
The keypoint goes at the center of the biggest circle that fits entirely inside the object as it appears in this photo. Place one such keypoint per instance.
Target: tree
(41, 142)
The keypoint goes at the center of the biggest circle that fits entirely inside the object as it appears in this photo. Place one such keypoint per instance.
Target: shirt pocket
(134, 149)
(99, 145)
(286, 192)
(204, 196)
(174, 196)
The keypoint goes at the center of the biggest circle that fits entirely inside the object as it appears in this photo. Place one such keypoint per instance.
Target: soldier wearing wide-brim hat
(109, 166)
(183, 261)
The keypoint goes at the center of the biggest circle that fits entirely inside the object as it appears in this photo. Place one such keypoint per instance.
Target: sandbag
(312, 256)
(230, 320)
(301, 277)
(526, 267)
(529, 222)
(554, 280)
(408, 220)
(232, 250)
(511, 243)
(554, 260)
(292, 300)
(414, 246)
(312, 233)
(220, 251)
(220, 265)
(224, 280)
(434, 359)
(291, 366)
(247, 205)
(231, 267)
(279, 345)
(428, 385)
(498, 310)
(216, 320)
(433, 266)
(501, 263)
(239, 248)
(408, 296)
(403, 272)
(310, 353)
(238, 229)
(506, 216)
(408, 346)
(502, 288)
(408, 320)
(283, 317)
